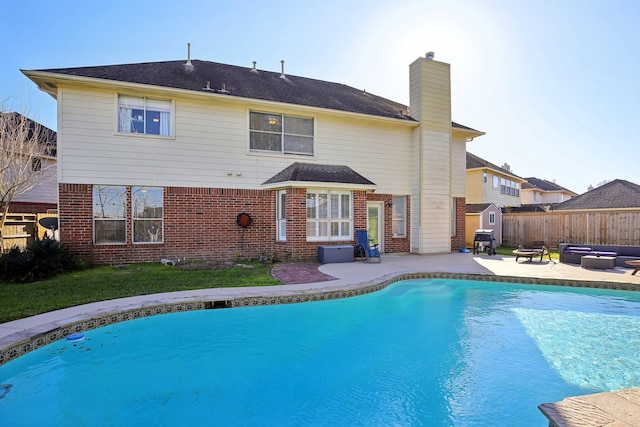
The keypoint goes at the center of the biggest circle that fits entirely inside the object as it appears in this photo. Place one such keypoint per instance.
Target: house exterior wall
(479, 191)
(209, 175)
(200, 223)
(430, 104)
(211, 146)
(543, 197)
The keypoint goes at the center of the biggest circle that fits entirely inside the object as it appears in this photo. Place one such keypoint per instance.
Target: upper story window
(495, 181)
(280, 133)
(510, 188)
(144, 116)
(484, 177)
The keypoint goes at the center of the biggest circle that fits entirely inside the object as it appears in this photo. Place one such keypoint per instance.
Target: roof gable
(617, 194)
(475, 208)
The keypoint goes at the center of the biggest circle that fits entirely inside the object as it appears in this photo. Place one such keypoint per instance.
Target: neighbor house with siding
(488, 183)
(40, 195)
(200, 160)
(541, 192)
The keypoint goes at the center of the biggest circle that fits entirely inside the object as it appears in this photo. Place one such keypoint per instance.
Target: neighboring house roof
(307, 172)
(476, 208)
(544, 185)
(234, 81)
(45, 135)
(617, 194)
(475, 162)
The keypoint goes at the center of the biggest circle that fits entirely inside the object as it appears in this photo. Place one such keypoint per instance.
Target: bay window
(329, 215)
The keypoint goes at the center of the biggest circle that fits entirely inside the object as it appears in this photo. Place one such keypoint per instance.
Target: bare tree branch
(24, 147)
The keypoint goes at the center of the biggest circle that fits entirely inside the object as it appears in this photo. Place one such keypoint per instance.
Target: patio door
(375, 223)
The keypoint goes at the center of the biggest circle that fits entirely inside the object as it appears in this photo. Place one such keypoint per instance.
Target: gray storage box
(335, 253)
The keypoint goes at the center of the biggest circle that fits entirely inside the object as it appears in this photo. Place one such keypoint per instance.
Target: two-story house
(201, 160)
(543, 193)
(489, 190)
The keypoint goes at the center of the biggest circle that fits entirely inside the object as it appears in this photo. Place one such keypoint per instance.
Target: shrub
(39, 260)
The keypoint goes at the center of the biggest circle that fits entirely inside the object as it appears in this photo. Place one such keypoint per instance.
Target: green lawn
(508, 251)
(18, 300)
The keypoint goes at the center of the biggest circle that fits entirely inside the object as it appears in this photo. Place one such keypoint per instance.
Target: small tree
(24, 147)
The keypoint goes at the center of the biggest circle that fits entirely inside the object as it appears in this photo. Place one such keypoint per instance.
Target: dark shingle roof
(477, 207)
(475, 162)
(307, 172)
(244, 82)
(232, 80)
(617, 194)
(544, 185)
(45, 135)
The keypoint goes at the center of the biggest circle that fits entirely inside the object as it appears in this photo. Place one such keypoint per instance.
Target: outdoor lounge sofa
(572, 253)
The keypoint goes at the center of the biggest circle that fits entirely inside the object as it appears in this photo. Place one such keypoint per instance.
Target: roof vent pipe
(430, 56)
(188, 65)
(282, 76)
(254, 69)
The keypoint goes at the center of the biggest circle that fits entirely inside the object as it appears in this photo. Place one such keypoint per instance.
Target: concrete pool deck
(348, 277)
(332, 281)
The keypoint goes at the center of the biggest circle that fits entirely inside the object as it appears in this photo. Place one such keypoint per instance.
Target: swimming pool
(420, 352)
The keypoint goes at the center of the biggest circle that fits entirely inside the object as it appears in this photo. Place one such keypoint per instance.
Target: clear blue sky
(554, 84)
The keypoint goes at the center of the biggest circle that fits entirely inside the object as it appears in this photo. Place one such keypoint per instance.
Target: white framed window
(109, 214)
(492, 218)
(145, 116)
(399, 216)
(454, 211)
(279, 133)
(484, 177)
(147, 213)
(281, 215)
(495, 181)
(329, 215)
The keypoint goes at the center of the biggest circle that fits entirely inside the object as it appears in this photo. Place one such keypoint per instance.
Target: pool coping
(25, 340)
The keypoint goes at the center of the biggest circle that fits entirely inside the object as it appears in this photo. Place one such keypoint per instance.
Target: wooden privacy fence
(22, 229)
(594, 228)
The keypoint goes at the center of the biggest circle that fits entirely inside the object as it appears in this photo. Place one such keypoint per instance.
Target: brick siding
(200, 223)
(458, 241)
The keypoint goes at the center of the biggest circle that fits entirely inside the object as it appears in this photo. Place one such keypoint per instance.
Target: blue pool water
(420, 352)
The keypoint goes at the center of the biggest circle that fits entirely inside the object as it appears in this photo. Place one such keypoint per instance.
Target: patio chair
(369, 252)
